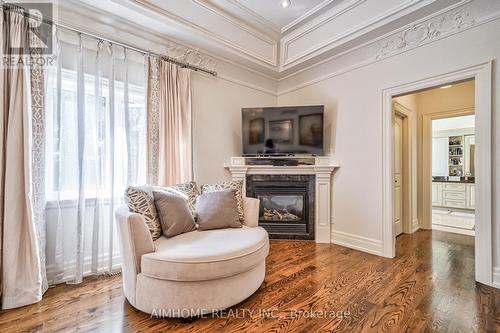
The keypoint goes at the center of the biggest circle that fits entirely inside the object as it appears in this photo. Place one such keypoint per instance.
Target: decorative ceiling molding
(464, 15)
(190, 56)
(425, 32)
(271, 60)
(81, 16)
(311, 27)
(259, 18)
(288, 60)
(208, 5)
(349, 23)
(306, 15)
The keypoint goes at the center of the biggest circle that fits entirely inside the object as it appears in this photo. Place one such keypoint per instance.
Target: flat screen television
(283, 130)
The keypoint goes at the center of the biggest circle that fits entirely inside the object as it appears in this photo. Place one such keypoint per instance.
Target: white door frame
(482, 74)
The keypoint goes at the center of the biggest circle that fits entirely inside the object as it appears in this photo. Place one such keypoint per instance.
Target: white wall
(216, 111)
(353, 99)
(350, 86)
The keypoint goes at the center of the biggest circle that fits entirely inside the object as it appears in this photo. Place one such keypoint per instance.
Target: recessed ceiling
(276, 41)
(272, 11)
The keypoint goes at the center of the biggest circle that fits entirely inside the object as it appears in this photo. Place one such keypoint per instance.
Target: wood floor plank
(428, 287)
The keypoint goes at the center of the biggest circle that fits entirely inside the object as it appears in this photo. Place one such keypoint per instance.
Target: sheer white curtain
(95, 147)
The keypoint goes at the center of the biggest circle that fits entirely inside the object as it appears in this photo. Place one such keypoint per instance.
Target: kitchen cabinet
(471, 196)
(453, 195)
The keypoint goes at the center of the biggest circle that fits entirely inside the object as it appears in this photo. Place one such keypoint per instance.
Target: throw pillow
(236, 186)
(140, 200)
(217, 210)
(187, 191)
(174, 214)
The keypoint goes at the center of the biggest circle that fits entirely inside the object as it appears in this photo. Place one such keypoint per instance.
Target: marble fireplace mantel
(321, 167)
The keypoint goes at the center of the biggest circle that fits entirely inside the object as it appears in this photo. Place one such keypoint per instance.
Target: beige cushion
(212, 254)
(140, 200)
(217, 210)
(188, 191)
(236, 186)
(174, 214)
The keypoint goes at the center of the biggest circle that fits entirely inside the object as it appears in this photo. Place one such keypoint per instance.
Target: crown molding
(432, 28)
(239, 24)
(156, 10)
(206, 4)
(422, 33)
(190, 56)
(117, 28)
(382, 38)
(273, 27)
(288, 60)
(158, 37)
(306, 15)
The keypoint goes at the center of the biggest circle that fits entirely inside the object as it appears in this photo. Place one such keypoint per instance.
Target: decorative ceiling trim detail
(378, 40)
(287, 61)
(313, 26)
(274, 27)
(190, 56)
(240, 25)
(234, 21)
(197, 28)
(462, 16)
(424, 33)
(196, 33)
(303, 17)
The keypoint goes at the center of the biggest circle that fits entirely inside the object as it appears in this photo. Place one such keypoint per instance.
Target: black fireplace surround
(286, 204)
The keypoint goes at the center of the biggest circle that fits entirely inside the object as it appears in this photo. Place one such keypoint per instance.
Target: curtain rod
(130, 47)
(127, 46)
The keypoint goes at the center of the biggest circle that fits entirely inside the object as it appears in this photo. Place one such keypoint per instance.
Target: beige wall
(458, 96)
(408, 101)
(217, 107)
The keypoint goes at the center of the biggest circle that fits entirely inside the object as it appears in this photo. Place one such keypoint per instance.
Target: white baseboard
(453, 230)
(360, 243)
(496, 277)
(415, 225)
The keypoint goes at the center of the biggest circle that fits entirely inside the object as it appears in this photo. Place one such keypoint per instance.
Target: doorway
(398, 174)
(481, 74)
(404, 212)
(453, 173)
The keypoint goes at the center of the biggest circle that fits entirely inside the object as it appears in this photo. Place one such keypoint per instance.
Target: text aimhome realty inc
(250, 313)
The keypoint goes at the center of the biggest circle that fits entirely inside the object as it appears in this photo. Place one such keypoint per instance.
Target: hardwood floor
(428, 287)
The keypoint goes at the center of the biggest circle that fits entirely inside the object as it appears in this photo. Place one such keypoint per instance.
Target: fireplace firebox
(286, 204)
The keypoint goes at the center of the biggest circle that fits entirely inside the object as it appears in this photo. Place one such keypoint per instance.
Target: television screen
(283, 130)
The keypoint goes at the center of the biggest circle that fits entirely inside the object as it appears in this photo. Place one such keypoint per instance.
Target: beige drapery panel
(21, 273)
(169, 123)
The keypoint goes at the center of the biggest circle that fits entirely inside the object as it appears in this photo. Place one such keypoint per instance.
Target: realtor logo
(40, 16)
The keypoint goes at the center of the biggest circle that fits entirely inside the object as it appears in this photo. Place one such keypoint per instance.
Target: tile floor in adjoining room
(460, 222)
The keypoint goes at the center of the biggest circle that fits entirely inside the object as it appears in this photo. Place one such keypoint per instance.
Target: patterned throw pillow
(188, 191)
(140, 200)
(235, 185)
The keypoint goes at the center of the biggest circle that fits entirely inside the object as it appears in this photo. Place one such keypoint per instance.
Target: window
(105, 138)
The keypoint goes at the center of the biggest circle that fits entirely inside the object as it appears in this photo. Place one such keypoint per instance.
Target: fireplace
(286, 204)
